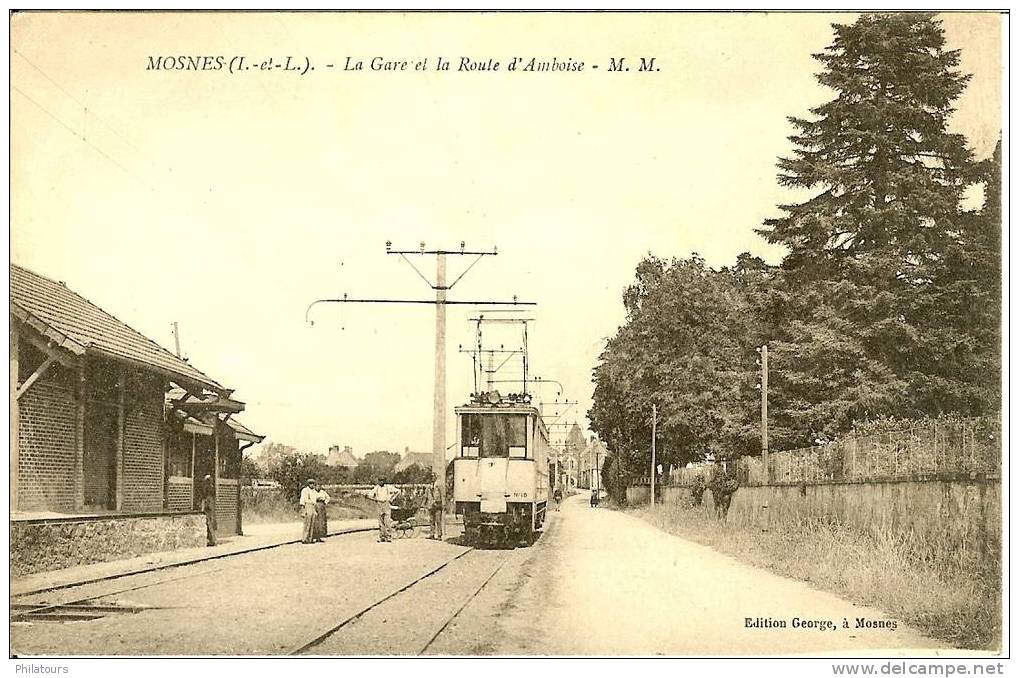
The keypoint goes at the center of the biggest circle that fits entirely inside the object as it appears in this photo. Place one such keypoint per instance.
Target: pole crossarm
(440, 286)
(491, 252)
(430, 302)
(492, 350)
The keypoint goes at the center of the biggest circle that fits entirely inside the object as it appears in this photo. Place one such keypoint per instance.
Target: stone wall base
(53, 544)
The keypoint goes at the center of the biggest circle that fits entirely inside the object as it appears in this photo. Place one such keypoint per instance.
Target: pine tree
(864, 326)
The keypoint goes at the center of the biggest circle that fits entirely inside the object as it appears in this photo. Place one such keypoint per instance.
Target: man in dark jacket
(208, 491)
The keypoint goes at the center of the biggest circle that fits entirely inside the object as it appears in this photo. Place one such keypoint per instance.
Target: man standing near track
(435, 510)
(309, 510)
(382, 494)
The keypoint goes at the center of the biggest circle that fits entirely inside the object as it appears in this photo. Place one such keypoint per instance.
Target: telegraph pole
(441, 288)
(654, 431)
(439, 392)
(176, 338)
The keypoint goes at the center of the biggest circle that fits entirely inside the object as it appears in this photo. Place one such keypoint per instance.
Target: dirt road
(598, 582)
(602, 582)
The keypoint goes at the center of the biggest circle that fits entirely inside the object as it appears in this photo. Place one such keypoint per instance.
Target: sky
(227, 203)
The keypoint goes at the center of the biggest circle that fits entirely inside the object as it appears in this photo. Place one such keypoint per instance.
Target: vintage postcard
(507, 333)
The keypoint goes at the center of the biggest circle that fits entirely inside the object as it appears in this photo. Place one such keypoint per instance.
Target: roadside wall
(936, 484)
(944, 514)
(667, 494)
(42, 545)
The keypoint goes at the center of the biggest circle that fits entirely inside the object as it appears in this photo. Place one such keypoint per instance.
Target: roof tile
(92, 327)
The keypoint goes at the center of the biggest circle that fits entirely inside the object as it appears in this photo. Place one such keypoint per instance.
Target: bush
(723, 484)
(698, 486)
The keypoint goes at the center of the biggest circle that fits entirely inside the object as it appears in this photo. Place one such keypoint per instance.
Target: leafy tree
(293, 469)
(250, 469)
(414, 474)
(382, 463)
(687, 347)
(887, 303)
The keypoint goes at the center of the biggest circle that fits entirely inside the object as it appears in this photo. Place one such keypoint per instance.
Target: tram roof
(513, 408)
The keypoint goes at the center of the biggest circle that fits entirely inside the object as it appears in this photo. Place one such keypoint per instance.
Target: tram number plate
(493, 506)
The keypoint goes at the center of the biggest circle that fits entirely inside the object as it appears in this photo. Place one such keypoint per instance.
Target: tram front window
(495, 434)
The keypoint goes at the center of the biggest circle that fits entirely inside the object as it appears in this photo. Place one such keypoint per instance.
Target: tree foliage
(886, 304)
(687, 346)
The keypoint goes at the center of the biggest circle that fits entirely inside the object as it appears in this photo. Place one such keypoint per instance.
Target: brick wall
(226, 508)
(47, 444)
(179, 495)
(143, 455)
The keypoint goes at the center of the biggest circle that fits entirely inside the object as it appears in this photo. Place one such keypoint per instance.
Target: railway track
(170, 566)
(68, 608)
(332, 635)
(427, 606)
(88, 604)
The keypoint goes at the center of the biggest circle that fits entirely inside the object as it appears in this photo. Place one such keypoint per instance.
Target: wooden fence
(966, 448)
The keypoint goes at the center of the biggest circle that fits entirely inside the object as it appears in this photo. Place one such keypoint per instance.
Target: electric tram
(501, 472)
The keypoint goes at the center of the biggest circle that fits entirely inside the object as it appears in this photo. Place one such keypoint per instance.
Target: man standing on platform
(208, 490)
(309, 510)
(382, 494)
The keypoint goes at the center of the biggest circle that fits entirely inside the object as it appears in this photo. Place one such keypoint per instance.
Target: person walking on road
(209, 509)
(309, 511)
(321, 522)
(382, 494)
(558, 496)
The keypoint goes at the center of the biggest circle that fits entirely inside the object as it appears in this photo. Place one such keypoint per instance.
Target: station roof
(77, 325)
(202, 420)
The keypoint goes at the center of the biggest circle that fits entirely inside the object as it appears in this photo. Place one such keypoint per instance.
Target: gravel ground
(606, 583)
(597, 582)
(268, 602)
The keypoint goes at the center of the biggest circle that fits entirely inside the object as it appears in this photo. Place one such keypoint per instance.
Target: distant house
(591, 461)
(341, 459)
(105, 421)
(422, 459)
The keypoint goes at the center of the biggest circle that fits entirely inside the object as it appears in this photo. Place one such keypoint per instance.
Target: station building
(106, 423)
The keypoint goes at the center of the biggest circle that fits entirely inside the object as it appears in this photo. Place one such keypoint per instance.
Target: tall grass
(270, 506)
(951, 596)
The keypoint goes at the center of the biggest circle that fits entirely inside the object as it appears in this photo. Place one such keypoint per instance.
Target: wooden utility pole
(764, 412)
(439, 394)
(654, 431)
(176, 338)
(441, 288)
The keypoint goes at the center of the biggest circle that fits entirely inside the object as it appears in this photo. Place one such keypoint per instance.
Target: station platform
(256, 537)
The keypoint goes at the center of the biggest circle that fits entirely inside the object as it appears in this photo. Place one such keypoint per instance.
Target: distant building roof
(422, 459)
(341, 458)
(79, 326)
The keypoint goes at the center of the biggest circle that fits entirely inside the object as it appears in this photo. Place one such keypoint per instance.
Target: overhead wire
(71, 96)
